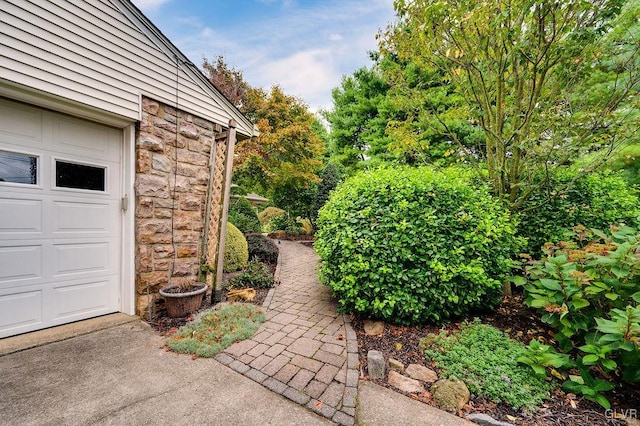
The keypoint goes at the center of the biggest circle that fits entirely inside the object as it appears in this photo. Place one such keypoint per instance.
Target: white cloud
(309, 75)
(304, 49)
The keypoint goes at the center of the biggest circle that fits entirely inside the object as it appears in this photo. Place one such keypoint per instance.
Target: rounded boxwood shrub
(236, 250)
(595, 200)
(414, 245)
(243, 216)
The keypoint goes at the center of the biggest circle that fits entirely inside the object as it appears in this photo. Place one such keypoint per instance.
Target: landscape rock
(394, 364)
(373, 328)
(376, 365)
(404, 383)
(632, 421)
(422, 373)
(450, 394)
(486, 420)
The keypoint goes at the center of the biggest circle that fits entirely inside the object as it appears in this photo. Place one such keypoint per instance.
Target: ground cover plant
(521, 324)
(217, 329)
(486, 360)
(414, 245)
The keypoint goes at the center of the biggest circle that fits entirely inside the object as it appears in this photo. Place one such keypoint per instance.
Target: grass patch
(217, 329)
(485, 359)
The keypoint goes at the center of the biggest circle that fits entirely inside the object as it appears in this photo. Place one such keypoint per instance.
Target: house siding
(94, 54)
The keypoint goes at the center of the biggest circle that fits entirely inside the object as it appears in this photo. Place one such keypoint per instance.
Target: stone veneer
(163, 256)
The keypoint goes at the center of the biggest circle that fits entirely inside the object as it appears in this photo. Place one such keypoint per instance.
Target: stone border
(335, 401)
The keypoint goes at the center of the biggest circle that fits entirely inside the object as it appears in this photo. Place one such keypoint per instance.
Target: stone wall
(169, 209)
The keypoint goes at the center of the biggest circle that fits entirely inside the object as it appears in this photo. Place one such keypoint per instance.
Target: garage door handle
(125, 203)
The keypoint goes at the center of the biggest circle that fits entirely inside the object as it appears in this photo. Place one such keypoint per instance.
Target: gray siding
(99, 53)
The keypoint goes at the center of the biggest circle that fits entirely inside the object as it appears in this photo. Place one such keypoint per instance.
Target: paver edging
(341, 413)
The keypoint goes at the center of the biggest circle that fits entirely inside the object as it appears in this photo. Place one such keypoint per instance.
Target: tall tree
(282, 163)
(359, 119)
(285, 159)
(431, 117)
(546, 81)
(229, 81)
(383, 114)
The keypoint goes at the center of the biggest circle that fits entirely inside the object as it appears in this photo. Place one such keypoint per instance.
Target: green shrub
(596, 200)
(588, 290)
(414, 245)
(304, 225)
(243, 216)
(255, 275)
(624, 162)
(485, 359)
(330, 177)
(217, 329)
(267, 215)
(296, 196)
(262, 249)
(236, 250)
(287, 224)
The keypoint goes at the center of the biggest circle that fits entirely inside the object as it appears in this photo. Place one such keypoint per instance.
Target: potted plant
(184, 298)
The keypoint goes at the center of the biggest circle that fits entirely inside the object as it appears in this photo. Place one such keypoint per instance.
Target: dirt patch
(513, 318)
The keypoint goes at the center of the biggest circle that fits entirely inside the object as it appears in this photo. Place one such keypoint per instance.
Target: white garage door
(60, 218)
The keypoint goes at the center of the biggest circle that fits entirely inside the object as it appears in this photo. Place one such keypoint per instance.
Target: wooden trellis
(220, 186)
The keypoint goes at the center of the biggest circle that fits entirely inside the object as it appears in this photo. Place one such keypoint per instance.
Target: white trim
(55, 103)
(62, 159)
(39, 164)
(127, 274)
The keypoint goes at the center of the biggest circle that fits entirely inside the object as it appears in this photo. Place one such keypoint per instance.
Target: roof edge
(246, 127)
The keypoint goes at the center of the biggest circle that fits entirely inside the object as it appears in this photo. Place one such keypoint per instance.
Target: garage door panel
(79, 299)
(20, 312)
(78, 217)
(86, 139)
(81, 258)
(19, 263)
(19, 216)
(20, 124)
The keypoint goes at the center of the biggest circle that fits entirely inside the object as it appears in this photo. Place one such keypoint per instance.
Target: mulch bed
(167, 326)
(402, 343)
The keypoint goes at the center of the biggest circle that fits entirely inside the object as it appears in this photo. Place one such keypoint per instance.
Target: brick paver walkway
(305, 350)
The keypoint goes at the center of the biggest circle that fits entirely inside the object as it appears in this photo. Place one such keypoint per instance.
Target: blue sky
(305, 46)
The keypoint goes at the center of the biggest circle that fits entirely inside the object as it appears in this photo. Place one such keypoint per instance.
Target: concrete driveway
(113, 370)
(121, 376)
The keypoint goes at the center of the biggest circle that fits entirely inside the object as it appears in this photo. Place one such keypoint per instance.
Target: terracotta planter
(180, 304)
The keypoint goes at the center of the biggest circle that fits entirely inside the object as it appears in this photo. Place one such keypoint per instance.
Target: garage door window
(80, 176)
(16, 167)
